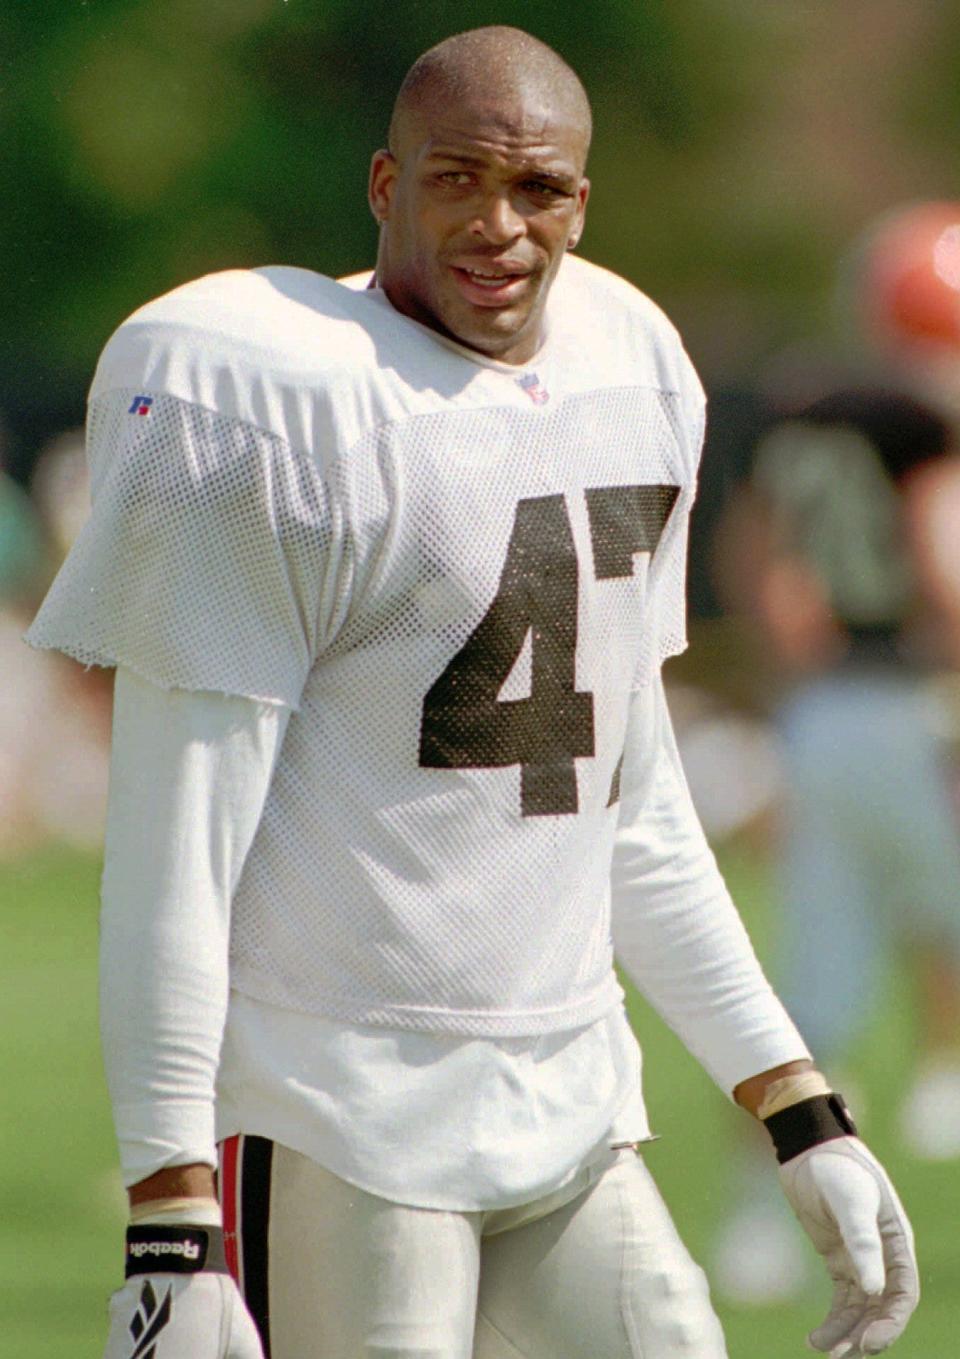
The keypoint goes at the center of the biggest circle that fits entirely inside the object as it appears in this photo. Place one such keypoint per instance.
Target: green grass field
(61, 1209)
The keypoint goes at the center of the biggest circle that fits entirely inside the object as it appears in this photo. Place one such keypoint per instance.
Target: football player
(388, 574)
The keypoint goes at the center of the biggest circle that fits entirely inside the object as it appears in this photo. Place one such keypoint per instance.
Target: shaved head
(498, 62)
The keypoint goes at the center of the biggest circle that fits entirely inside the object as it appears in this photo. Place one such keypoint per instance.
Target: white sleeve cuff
(155, 1135)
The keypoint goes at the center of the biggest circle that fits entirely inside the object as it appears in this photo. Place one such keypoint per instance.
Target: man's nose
(499, 221)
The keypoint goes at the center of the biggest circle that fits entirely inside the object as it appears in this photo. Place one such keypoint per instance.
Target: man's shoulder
(278, 310)
(600, 291)
(624, 327)
(261, 345)
(588, 280)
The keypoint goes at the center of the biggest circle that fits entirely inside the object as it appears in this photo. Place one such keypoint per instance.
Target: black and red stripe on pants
(246, 1164)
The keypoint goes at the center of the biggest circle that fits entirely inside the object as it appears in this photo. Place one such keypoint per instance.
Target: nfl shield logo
(533, 387)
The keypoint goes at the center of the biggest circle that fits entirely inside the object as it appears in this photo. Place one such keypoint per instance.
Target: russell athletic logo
(149, 1320)
(140, 405)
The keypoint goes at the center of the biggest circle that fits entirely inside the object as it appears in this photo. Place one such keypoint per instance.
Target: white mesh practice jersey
(454, 570)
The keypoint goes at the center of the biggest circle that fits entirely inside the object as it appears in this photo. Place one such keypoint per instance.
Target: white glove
(182, 1314)
(851, 1212)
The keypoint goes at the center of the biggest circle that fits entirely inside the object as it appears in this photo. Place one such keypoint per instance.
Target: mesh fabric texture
(205, 558)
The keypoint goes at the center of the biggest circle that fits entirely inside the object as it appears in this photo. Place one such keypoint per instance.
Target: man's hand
(845, 1203)
(852, 1214)
(179, 1302)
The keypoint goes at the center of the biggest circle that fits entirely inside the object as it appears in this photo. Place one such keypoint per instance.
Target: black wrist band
(174, 1250)
(801, 1126)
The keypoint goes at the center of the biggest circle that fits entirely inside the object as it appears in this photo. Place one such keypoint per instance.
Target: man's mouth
(490, 285)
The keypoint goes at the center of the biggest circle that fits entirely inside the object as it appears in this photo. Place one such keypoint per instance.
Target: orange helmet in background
(907, 270)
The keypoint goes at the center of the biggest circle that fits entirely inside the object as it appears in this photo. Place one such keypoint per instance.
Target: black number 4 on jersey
(464, 724)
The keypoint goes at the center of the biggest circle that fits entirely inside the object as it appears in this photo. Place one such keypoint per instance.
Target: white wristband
(179, 1212)
(789, 1090)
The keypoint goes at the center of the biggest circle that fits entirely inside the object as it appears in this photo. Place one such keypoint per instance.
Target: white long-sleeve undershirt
(189, 776)
(676, 929)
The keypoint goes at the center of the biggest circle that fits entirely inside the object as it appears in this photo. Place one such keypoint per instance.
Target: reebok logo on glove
(190, 1250)
(153, 1249)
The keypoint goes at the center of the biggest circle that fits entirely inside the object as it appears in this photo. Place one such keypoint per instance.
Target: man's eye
(458, 178)
(539, 186)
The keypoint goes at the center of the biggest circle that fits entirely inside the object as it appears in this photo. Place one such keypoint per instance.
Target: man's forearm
(195, 1181)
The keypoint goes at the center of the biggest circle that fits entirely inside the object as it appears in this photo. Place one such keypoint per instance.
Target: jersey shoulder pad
(628, 320)
(259, 345)
(593, 282)
(270, 315)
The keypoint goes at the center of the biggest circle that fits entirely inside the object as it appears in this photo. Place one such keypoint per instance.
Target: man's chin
(494, 332)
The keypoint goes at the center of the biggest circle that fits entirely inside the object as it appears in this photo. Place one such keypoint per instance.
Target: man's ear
(576, 229)
(383, 176)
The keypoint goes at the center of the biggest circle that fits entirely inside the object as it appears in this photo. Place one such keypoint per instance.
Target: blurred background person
(54, 715)
(22, 577)
(833, 548)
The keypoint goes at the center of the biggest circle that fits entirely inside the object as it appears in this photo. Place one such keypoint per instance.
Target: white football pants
(593, 1271)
